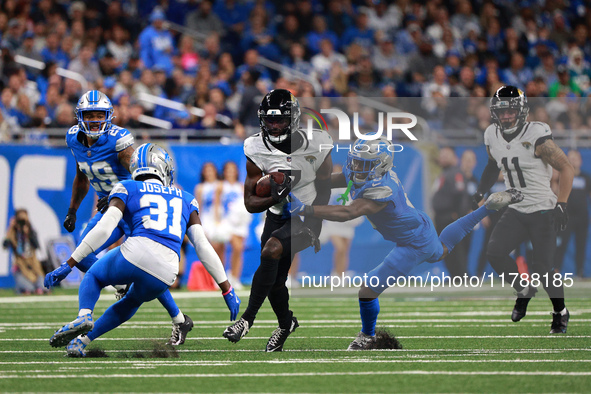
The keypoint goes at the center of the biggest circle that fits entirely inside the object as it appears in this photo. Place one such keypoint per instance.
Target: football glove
(102, 204)
(476, 198)
(233, 303)
(560, 216)
(70, 222)
(57, 275)
(297, 207)
(280, 190)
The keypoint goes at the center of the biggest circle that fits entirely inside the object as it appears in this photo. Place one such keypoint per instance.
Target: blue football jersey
(100, 162)
(399, 221)
(157, 212)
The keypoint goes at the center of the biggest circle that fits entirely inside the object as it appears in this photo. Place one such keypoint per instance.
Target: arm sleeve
(99, 234)
(206, 253)
(489, 176)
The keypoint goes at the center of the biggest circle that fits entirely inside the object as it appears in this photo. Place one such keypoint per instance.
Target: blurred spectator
(12, 38)
(147, 85)
(339, 16)
(518, 74)
(386, 59)
(450, 189)
(565, 84)
(382, 16)
(361, 33)
(64, 116)
(437, 87)
(156, 43)
(21, 238)
(27, 49)
(289, 34)
(323, 61)
(85, 65)
(251, 63)
(259, 35)
(319, 33)
(119, 45)
(204, 19)
(188, 59)
(249, 102)
(547, 69)
(53, 51)
(578, 212)
(579, 69)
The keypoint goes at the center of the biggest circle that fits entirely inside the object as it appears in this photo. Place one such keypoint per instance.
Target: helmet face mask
(279, 115)
(509, 109)
(91, 102)
(151, 159)
(369, 159)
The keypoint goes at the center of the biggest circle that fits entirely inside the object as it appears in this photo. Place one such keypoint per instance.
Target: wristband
(228, 292)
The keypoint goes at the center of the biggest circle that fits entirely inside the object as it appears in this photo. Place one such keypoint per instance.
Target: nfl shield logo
(288, 158)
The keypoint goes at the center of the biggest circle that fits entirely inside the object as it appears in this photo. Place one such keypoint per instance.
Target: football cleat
(236, 331)
(520, 308)
(279, 336)
(76, 347)
(559, 323)
(82, 325)
(362, 342)
(121, 291)
(180, 331)
(500, 200)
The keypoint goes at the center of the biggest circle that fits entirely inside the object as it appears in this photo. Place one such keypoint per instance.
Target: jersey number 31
(161, 211)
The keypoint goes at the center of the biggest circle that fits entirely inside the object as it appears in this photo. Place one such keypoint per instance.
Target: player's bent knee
(272, 249)
(365, 293)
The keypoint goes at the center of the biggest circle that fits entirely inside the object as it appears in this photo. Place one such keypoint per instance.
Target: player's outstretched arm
(252, 202)
(93, 240)
(80, 188)
(212, 263)
(488, 179)
(343, 213)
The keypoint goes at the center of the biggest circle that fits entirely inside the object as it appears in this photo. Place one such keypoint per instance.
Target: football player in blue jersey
(159, 215)
(378, 194)
(103, 152)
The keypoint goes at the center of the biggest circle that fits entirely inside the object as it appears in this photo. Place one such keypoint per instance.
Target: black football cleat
(180, 331)
(236, 331)
(279, 336)
(520, 308)
(559, 323)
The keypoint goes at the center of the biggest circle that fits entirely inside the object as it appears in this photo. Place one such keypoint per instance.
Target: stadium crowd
(205, 53)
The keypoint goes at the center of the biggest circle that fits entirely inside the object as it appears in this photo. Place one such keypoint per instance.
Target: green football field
(451, 344)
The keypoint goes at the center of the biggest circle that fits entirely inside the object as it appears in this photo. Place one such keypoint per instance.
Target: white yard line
(298, 374)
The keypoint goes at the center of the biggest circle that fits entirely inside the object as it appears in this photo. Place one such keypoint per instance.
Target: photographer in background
(22, 240)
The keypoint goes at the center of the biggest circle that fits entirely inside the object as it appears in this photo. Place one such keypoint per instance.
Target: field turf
(451, 344)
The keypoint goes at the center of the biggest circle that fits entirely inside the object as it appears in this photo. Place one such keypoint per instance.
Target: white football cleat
(502, 199)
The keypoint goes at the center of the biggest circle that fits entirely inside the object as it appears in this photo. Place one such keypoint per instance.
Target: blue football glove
(295, 205)
(57, 275)
(233, 303)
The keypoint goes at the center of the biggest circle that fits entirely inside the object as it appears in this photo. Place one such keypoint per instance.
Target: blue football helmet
(152, 159)
(93, 100)
(369, 159)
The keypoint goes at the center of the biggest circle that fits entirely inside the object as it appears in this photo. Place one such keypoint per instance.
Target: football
(263, 188)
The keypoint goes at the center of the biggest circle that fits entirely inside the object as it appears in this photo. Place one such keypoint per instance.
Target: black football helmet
(279, 115)
(509, 97)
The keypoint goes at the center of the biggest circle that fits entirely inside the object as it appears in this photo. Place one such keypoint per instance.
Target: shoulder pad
(377, 193)
(124, 138)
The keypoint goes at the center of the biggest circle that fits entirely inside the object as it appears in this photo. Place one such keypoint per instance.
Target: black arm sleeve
(489, 176)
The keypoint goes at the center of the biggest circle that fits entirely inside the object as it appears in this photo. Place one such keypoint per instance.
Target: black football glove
(476, 198)
(102, 204)
(279, 191)
(560, 216)
(70, 222)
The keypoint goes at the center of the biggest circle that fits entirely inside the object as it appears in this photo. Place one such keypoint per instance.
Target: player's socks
(84, 311)
(89, 292)
(369, 311)
(168, 303)
(179, 319)
(559, 306)
(456, 231)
